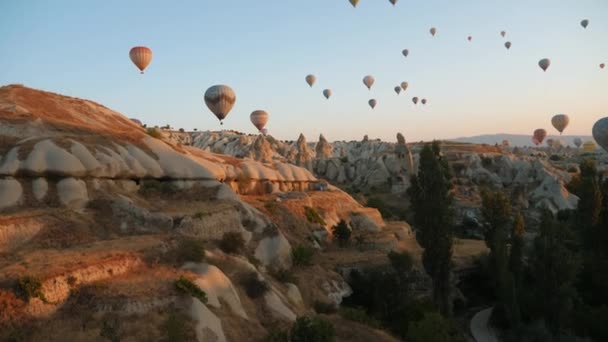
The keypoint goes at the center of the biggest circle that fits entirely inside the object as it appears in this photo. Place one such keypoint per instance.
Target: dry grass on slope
(65, 114)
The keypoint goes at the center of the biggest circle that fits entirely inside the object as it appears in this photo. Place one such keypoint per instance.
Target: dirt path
(480, 329)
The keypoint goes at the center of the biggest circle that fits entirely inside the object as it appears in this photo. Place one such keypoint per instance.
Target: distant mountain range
(517, 139)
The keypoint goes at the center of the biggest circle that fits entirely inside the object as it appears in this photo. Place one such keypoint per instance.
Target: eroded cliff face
(97, 215)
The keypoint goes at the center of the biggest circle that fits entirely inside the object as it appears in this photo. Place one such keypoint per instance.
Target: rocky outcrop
(261, 150)
(303, 155)
(323, 148)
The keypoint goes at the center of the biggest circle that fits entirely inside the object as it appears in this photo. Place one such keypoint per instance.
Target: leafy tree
(496, 211)
(554, 268)
(402, 262)
(433, 327)
(317, 329)
(342, 233)
(433, 218)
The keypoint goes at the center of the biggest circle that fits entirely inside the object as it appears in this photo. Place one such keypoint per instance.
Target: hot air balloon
(369, 81)
(405, 52)
(404, 85)
(264, 131)
(544, 63)
(415, 99)
(584, 23)
(590, 146)
(549, 142)
(600, 132)
(393, 2)
(398, 90)
(469, 38)
(372, 103)
(540, 135)
(503, 33)
(602, 66)
(560, 122)
(141, 56)
(535, 141)
(311, 79)
(220, 99)
(354, 2)
(327, 93)
(578, 142)
(433, 31)
(508, 45)
(259, 119)
(423, 101)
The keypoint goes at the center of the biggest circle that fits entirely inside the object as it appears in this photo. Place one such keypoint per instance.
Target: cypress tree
(433, 219)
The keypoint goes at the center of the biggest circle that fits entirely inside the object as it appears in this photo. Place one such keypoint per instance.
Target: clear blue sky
(264, 49)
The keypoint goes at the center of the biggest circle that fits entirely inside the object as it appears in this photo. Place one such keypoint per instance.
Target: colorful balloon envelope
(600, 133)
(540, 135)
(220, 99)
(560, 122)
(544, 63)
(372, 103)
(141, 56)
(327, 93)
(259, 119)
(311, 79)
(369, 81)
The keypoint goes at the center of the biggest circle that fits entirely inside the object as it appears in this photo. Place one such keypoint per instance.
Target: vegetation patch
(232, 243)
(318, 329)
(313, 216)
(190, 250)
(302, 255)
(254, 287)
(325, 307)
(30, 287)
(185, 286)
(154, 133)
(359, 316)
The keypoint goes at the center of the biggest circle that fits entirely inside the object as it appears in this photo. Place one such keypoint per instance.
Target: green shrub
(271, 206)
(154, 133)
(150, 185)
(185, 286)
(282, 274)
(313, 216)
(344, 159)
(360, 316)
(342, 233)
(401, 261)
(385, 210)
(317, 329)
(254, 287)
(199, 215)
(433, 327)
(302, 255)
(109, 330)
(555, 157)
(276, 335)
(31, 287)
(325, 307)
(181, 130)
(167, 188)
(486, 162)
(190, 250)
(232, 242)
(175, 328)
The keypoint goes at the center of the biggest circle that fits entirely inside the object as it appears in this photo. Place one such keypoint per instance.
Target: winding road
(480, 329)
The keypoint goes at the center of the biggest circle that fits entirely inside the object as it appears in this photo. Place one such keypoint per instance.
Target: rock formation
(323, 148)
